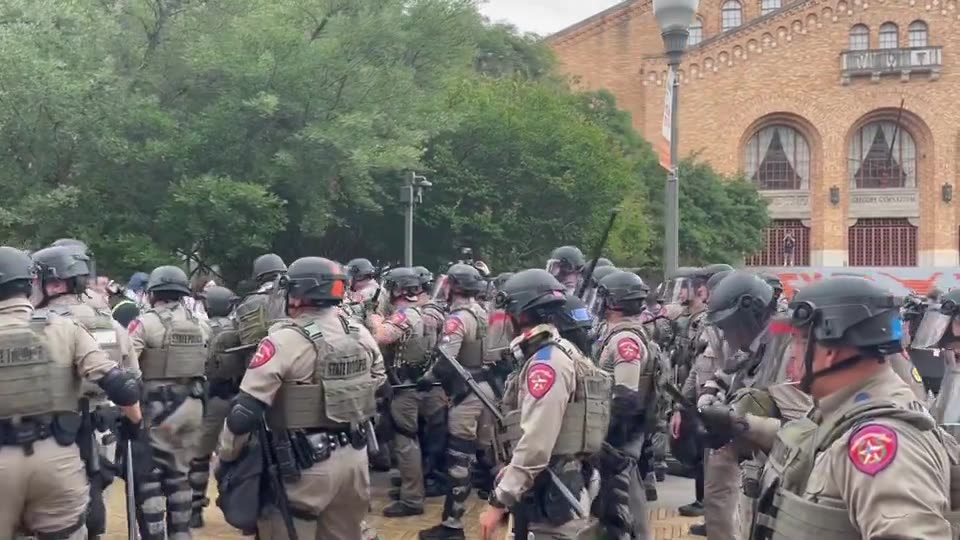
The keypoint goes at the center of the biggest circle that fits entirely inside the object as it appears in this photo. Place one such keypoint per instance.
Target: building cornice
(595, 24)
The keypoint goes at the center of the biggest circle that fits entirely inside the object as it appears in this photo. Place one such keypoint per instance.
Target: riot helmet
(404, 283)
(679, 286)
(531, 297)
(267, 267)
(16, 273)
(740, 307)
(170, 280)
(360, 270)
(912, 312)
(317, 280)
(936, 327)
(717, 278)
(426, 278)
(574, 323)
(590, 296)
(62, 263)
(219, 301)
(78, 246)
(603, 261)
(501, 279)
(461, 279)
(623, 292)
(565, 260)
(846, 311)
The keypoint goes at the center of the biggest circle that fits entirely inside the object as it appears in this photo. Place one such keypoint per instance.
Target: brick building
(804, 98)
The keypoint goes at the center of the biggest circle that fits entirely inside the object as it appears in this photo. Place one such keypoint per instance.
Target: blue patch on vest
(896, 329)
(543, 355)
(580, 315)
(862, 396)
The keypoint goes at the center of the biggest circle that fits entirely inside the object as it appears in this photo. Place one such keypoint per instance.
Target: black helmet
(603, 261)
(316, 278)
(15, 265)
(265, 266)
(168, 278)
(361, 269)
(740, 306)
(574, 323)
(405, 282)
(717, 278)
(80, 247)
(426, 276)
(219, 301)
(61, 263)
(715, 268)
(565, 259)
(465, 279)
(847, 311)
(530, 290)
(601, 272)
(623, 291)
(501, 279)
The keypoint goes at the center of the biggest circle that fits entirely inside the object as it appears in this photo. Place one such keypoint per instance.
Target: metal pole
(671, 245)
(408, 228)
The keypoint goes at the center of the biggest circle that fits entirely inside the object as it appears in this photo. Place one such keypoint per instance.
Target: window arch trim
(859, 37)
(731, 15)
(777, 157)
(889, 36)
(918, 33)
(696, 32)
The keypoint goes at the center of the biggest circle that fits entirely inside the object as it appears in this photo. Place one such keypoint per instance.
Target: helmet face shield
(932, 328)
(441, 289)
(557, 267)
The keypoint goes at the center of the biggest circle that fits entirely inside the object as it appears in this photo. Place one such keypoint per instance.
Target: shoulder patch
(497, 317)
(398, 318)
(452, 325)
(629, 350)
(265, 352)
(872, 448)
(543, 353)
(540, 380)
(134, 325)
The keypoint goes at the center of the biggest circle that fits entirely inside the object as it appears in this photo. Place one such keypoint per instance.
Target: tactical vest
(587, 416)
(412, 347)
(433, 315)
(782, 511)
(341, 391)
(252, 318)
(100, 325)
(32, 382)
(471, 351)
(182, 351)
(646, 385)
(223, 365)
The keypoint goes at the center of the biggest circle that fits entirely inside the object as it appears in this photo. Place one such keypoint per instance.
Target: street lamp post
(412, 194)
(674, 18)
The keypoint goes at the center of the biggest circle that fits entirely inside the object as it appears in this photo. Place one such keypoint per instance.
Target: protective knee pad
(151, 506)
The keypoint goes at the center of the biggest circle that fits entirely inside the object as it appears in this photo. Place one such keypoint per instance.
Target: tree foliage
(218, 129)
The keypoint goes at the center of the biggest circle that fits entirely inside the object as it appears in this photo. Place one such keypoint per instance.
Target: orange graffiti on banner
(789, 278)
(919, 286)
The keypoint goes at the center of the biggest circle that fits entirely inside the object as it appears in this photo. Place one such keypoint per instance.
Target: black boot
(694, 509)
(700, 529)
(401, 509)
(196, 519)
(442, 533)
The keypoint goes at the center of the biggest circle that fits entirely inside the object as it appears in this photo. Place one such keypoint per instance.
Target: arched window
(769, 6)
(731, 15)
(918, 34)
(778, 157)
(883, 155)
(859, 38)
(696, 32)
(889, 36)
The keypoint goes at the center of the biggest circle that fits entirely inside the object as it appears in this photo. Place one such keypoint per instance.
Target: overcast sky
(543, 16)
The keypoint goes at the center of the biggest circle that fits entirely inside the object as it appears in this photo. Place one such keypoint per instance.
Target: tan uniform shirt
(704, 364)
(546, 386)
(95, 299)
(286, 355)
(390, 330)
(147, 330)
(458, 327)
(624, 354)
(68, 341)
(893, 478)
(83, 309)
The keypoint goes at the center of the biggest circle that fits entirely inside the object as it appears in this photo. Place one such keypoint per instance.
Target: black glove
(385, 391)
(424, 384)
(722, 425)
(130, 431)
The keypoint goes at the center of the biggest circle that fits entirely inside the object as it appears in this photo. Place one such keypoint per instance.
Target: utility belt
(223, 388)
(301, 449)
(411, 372)
(543, 502)
(178, 390)
(63, 427)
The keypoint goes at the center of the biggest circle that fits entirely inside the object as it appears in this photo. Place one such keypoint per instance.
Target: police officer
(561, 399)
(261, 307)
(779, 299)
(62, 275)
(170, 343)
(868, 461)
(224, 370)
(315, 376)
(624, 352)
(566, 264)
(362, 279)
(433, 445)
(46, 356)
(408, 348)
(90, 296)
(468, 422)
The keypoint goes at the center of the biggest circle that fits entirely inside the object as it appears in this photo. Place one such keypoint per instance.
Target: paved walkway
(667, 525)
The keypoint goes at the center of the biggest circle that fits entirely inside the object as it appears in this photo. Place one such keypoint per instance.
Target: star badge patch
(540, 380)
(872, 448)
